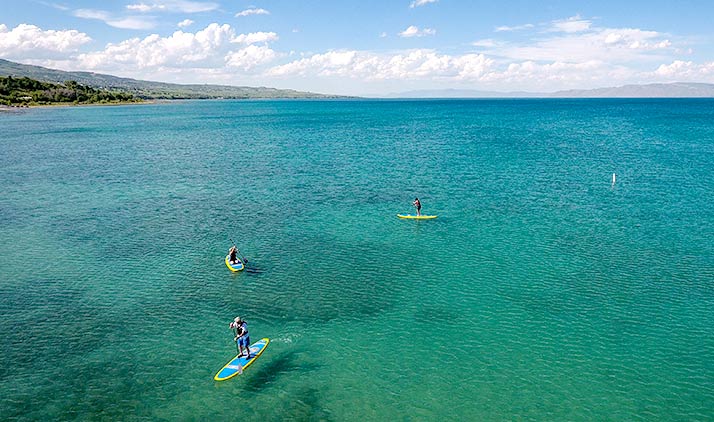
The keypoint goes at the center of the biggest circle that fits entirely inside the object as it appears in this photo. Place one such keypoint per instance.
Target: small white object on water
(613, 179)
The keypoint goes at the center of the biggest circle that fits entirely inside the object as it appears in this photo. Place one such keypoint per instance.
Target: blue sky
(369, 47)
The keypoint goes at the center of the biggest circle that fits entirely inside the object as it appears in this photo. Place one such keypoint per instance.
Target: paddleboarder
(417, 205)
(233, 255)
(242, 338)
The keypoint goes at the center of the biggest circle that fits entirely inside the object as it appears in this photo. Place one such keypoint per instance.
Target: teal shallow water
(540, 293)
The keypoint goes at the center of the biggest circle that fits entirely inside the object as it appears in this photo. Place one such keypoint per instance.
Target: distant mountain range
(148, 89)
(671, 90)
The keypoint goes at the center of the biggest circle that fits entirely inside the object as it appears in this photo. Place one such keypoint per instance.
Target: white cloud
(56, 6)
(604, 44)
(31, 40)
(250, 57)
(414, 31)
(414, 64)
(252, 11)
(575, 55)
(686, 70)
(255, 37)
(505, 28)
(182, 6)
(485, 43)
(213, 47)
(677, 67)
(130, 22)
(91, 14)
(571, 24)
(545, 74)
(417, 3)
(141, 7)
(383, 35)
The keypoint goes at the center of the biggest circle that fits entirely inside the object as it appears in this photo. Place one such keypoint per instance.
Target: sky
(369, 47)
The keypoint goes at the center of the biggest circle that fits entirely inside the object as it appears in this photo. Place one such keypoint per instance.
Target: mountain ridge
(654, 90)
(151, 89)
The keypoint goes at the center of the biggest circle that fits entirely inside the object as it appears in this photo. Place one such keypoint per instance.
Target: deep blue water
(541, 292)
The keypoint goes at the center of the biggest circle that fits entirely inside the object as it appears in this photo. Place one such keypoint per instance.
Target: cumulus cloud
(255, 37)
(24, 39)
(252, 11)
(686, 70)
(175, 6)
(414, 31)
(505, 28)
(130, 22)
(488, 42)
(568, 53)
(547, 73)
(417, 3)
(250, 57)
(605, 44)
(414, 64)
(141, 7)
(211, 47)
(571, 24)
(91, 14)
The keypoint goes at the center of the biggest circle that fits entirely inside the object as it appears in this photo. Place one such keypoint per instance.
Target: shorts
(244, 341)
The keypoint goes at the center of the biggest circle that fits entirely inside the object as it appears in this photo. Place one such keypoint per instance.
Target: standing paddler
(417, 205)
(241, 336)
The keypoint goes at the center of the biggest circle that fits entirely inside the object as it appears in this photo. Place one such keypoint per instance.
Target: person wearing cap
(242, 339)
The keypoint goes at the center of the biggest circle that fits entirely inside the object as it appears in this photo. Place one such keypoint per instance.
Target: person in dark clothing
(417, 205)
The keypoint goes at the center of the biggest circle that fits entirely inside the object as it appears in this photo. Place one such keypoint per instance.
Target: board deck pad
(239, 363)
(238, 266)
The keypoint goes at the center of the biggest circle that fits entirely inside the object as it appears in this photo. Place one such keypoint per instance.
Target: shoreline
(16, 108)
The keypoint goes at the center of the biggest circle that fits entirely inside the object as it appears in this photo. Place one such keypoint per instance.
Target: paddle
(245, 261)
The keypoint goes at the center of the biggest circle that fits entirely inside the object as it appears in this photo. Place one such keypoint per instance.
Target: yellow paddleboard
(417, 217)
(238, 266)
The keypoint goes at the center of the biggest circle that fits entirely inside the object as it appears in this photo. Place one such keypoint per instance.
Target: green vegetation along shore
(30, 92)
(153, 90)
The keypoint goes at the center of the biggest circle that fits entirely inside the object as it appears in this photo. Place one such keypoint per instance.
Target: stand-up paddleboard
(417, 217)
(239, 363)
(238, 266)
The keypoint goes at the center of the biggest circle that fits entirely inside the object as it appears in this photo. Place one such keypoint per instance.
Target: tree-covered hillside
(149, 89)
(26, 91)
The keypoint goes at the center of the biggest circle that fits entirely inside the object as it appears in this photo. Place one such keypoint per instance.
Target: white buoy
(614, 178)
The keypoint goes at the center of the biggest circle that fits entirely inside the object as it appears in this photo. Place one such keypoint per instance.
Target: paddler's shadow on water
(268, 372)
(254, 270)
(251, 270)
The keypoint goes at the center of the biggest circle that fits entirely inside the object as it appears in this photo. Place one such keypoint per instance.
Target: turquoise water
(542, 291)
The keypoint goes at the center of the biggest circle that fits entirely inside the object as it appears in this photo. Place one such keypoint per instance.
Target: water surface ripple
(542, 291)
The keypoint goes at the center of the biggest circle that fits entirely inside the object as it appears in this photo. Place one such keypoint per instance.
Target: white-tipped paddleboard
(239, 363)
